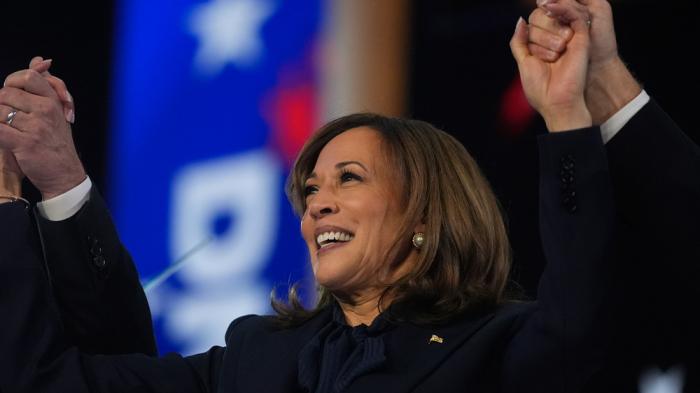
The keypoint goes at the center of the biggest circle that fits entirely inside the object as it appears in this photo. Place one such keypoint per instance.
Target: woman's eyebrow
(339, 165)
(346, 163)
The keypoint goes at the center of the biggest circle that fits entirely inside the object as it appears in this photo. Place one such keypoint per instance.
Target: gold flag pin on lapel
(435, 339)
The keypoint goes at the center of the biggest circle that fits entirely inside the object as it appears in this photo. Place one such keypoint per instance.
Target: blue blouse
(339, 353)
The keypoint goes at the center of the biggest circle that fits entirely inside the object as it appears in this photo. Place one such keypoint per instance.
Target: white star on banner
(228, 32)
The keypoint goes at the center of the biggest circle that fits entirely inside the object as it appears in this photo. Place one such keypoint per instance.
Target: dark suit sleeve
(36, 355)
(656, 176)
(563, 343)
(96, 285)
(655, 169)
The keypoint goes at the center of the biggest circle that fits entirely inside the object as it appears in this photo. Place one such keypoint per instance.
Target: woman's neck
(363, 309)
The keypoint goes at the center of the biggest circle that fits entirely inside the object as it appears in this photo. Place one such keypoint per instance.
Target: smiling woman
(382, 180)
(406, 240)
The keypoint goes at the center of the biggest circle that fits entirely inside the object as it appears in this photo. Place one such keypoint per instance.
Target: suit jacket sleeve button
(99, 261)
(96, 250)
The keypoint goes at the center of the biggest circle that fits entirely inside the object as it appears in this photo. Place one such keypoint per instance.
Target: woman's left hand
(556, 89)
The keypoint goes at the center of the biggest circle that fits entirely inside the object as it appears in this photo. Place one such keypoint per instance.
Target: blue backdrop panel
(211, 100)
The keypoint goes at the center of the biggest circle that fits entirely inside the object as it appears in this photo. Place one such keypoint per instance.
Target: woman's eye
(309, 190)
(348, 176)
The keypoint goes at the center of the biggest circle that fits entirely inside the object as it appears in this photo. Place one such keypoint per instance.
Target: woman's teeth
(327, 238)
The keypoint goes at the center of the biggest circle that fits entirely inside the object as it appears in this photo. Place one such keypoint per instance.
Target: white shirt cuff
(614, 124)
(64, 206)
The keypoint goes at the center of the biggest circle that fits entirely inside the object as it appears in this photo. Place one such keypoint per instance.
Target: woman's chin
(329, 282)
(331, 278)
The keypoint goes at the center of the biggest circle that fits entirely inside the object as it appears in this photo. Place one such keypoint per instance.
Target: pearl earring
(418, 240)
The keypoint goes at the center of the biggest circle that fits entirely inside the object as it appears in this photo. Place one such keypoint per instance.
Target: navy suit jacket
(556, 344)
(655, 170)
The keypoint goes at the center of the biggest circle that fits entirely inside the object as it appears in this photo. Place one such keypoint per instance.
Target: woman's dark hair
(465, 260)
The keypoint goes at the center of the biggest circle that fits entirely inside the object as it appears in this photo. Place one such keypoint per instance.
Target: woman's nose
(322, 205)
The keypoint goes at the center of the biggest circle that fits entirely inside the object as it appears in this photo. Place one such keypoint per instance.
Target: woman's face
(353, 213)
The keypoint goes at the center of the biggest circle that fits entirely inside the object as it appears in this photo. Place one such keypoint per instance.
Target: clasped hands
(38, 141)
(562, 54)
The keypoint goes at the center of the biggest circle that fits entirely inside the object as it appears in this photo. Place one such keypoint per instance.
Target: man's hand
(40, 137)
(609, 85)
(555, 89)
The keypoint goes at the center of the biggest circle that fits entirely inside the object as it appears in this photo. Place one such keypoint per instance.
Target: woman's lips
(331, 246)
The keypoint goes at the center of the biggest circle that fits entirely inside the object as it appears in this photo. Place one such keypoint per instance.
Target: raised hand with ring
(40, 136)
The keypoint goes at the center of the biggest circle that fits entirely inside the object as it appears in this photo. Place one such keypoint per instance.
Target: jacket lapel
(413, 352)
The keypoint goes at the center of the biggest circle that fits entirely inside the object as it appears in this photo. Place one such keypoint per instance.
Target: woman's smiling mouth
(329, 238)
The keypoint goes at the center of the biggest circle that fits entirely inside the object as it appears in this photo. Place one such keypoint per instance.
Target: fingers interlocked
(29, 106)
(35, 115)
(552, 25)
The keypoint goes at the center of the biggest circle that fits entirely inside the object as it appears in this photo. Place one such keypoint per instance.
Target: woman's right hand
(556, 89)
(610, 85)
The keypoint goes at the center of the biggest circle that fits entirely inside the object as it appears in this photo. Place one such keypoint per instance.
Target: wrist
(610, 86)
(63, 187)
(565, 119)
